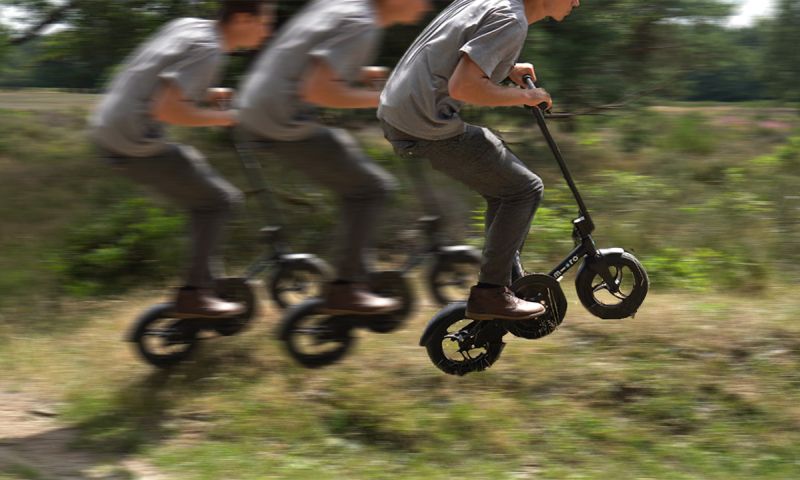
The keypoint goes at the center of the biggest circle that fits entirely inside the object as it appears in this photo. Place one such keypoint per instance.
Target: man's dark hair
(229, 8)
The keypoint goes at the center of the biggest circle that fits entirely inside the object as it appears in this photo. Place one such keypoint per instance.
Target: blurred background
(679, 120)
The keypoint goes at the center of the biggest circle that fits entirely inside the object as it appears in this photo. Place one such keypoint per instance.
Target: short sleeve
(348, 50)
(195, 72)
(496, 44)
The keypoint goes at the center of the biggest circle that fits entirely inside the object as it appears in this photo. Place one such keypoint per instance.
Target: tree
(608, 50)
(782, 60)
(100, 34)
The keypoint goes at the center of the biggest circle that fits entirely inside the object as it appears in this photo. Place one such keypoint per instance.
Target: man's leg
(333, 159)
(479, 159)
(184, 176)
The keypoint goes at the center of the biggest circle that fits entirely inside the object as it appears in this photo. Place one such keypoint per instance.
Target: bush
(703, 269)
(131, 242)
(689, 134)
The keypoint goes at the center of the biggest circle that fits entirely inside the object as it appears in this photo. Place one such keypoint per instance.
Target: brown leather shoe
(500, 304)
(355, 299)
(201, 303)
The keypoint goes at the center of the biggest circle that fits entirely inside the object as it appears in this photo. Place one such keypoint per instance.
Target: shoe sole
(206, 316)
(329, 311)
(488, 317)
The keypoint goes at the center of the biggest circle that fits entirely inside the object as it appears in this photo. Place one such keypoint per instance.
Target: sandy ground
(34, 443)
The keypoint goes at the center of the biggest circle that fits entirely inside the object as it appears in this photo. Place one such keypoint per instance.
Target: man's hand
(170, 106)
(537, 96)
(375, 77)
(220, 98)
(322, 86)
(519, 71)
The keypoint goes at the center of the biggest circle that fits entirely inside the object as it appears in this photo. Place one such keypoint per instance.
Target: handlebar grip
(529, 81)
(531, 85)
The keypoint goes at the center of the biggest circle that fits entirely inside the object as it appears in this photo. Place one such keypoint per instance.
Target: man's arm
(323, 87)
(469, 84)
(170, 106)
(219, 98)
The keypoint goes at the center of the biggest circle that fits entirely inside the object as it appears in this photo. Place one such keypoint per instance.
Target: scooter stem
(255, 176)
(538, 113)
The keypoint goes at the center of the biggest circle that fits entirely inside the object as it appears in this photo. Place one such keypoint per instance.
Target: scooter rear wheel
(315, 340)
(543, 289)
(161, 339)
(392, 284)
(236, 289)
(457, 345)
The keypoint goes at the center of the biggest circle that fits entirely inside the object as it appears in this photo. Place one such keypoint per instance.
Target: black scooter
(316, 340)
(611, 284)
(163, 340)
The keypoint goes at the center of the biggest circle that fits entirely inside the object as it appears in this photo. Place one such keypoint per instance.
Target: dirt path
(34, 443)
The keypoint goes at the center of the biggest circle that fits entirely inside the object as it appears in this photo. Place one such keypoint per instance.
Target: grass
(20, 472)
(694, 387)
(704, 383)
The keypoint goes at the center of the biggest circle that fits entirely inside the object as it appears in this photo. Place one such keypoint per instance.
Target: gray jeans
(332, 158)
(480, 160)
(183, 175)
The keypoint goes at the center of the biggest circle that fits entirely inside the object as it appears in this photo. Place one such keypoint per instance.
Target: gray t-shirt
(343, 33)
(187, 51)
(416, 98)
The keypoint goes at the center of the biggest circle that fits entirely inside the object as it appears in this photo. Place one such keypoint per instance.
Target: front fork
(585, 248)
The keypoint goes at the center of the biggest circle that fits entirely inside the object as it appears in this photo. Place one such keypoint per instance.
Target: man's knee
(377, 185)
(224, 199)
(234, 199)
(530, 190)
(536, 187)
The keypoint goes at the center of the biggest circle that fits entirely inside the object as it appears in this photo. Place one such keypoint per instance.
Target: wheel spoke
(618, 277)
(309, 330)
(161, 333)
(619, 295)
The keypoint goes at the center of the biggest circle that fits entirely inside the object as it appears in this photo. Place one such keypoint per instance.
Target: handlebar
(531, 85)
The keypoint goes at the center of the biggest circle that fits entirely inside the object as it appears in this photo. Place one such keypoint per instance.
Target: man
(162, 83)
(461, 57)
(317, 60)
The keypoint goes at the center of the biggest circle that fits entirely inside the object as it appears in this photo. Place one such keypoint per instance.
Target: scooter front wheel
(298, 278)
(621, 293)
(452, 275)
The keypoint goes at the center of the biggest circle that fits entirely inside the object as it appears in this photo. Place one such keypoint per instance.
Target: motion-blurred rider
(319, 60)
(462, 57)
(164, 82)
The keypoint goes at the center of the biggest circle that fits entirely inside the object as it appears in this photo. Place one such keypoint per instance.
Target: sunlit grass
(693, 387)
(702, 384)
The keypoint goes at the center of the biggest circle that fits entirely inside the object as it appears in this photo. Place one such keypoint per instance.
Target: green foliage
(782, 63)
(635, 130)
(4, 37)
(701, 269)
(608, 49)
(688, 134)
(722, 64)
(674, 47)
(130, 243)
